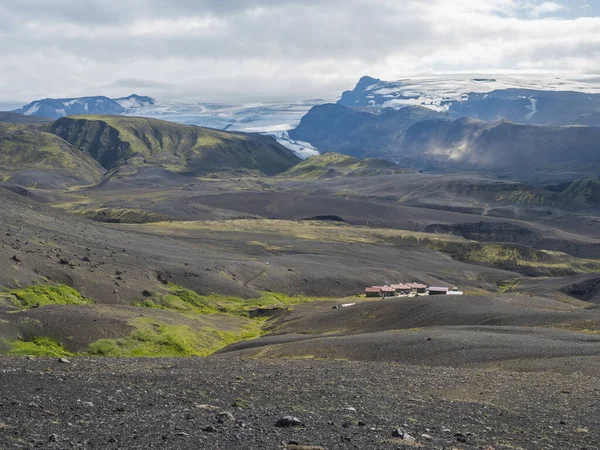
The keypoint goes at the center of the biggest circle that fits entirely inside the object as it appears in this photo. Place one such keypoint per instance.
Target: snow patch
(532, 108)
(32, 109)
(301, 149)
(435, 92)
(132, 102)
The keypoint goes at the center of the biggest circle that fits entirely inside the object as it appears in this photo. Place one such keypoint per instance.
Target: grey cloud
(242, 49)
(137, 83)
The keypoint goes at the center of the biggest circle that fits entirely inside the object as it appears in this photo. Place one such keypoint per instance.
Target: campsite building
(374, 291)
(402, 289)
(420, 288)
(438, 290)
(387, 291)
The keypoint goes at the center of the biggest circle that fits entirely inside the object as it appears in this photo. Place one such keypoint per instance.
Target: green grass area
(38, 346)
(591, 327)
(542, 262)
(152, 338)
(41, 295)
(508, 285)
(192, 324)
(122, 215)
(23, 147)
(140, 141)
(184, 300)
(320, 166)
(527, 196)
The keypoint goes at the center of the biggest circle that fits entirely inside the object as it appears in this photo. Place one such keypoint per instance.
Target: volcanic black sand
(183, 403)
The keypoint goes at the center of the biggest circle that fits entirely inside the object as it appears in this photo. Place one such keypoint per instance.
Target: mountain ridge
(55, 108)
(550, 102)
(128, 143)
(31, 157)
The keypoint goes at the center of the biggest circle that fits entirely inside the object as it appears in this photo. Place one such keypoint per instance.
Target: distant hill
(329, 165)
(468, 143)
(420, 138)
(57, 108)
(586, 190)
(11, 117)
(135, 101)
(337, 128)
(529, 106)
(31, 157)
(127, 143)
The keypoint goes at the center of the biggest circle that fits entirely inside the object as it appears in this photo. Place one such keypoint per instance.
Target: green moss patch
(59, 294)
(155, 339)
(187, 325)
(116, 215)
(39, 346)
(208, 324)
(184, 300)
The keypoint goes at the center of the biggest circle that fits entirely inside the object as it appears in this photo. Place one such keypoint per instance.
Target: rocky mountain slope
(500, 145)
(586, 190)
(529, 106)
(425, 139)
(337, 128)
(31, 157)
(330, 165)
(545, 102)
(127, 143)
(56, 108)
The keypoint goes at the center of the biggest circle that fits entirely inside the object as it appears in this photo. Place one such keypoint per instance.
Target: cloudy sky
(251, 50)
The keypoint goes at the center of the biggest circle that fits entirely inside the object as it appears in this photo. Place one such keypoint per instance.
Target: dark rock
(146, 293)
(225, 416)
(209, 429)
(85, 259)
(460, 437)
(63, 261)
(16, 259)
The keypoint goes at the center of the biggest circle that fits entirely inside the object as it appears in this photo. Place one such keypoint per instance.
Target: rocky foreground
(229, 403)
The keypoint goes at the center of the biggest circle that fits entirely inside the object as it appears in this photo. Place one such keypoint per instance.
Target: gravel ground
(226, 402)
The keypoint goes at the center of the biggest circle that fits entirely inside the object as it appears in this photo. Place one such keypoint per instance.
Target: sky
(269, 50)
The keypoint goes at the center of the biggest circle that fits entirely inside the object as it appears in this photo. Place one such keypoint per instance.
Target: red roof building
(401, 288)
(387, 291)
(374, 291)
(420, 288)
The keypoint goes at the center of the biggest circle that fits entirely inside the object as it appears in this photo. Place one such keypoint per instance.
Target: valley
(211, 267)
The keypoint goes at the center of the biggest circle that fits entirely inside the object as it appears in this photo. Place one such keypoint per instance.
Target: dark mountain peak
(366, 81)
(135, 101)
(55, 108)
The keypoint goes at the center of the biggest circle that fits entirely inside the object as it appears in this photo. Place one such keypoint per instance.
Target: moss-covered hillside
(27, 149)
(136, 141)
(333, 164)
